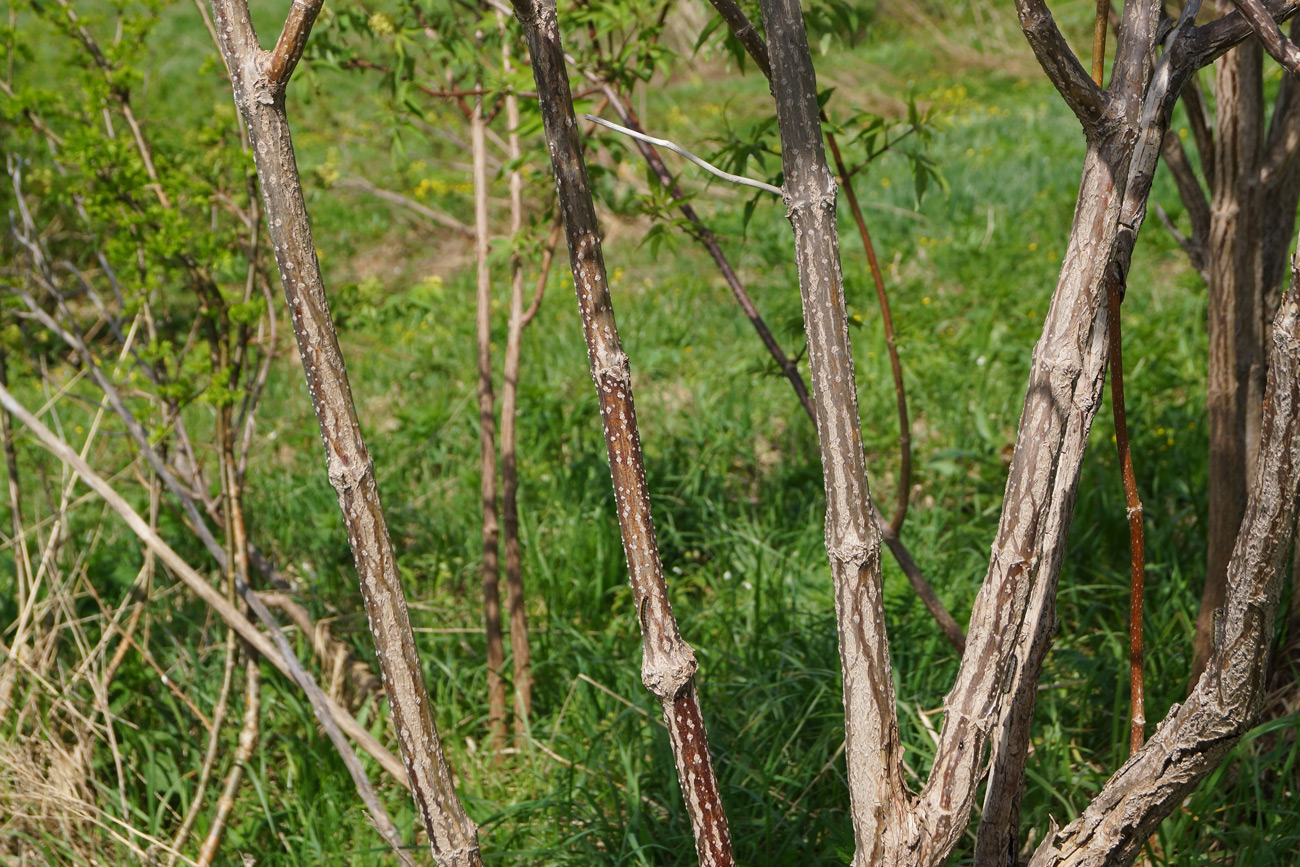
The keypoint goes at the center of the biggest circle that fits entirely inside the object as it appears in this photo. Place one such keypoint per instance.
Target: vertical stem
(1137, 715)
(872, 747)
(520, 650)
(491, 573)
(453, 837)
(1133, 506)
(745, 31)
(668, 663)
(1099, 40)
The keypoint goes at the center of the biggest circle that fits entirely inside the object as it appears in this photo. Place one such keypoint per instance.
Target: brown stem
(491, 531)
(1137, 714)
(453, 837)
(520, 650)
(757, 49)
(668, 663)
(1134, 508)
(1099, 41)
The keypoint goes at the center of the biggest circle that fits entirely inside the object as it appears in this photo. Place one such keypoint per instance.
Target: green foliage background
(732, 460)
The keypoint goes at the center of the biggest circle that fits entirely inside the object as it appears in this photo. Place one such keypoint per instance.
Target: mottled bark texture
(1195, 737)
(872, 748)
(1014, 614)
(259, 79)
(755, 45)
(668, 663)
(1239, 240)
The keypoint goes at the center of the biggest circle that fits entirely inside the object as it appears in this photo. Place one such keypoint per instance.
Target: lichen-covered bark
(668, 663)
(259, 79)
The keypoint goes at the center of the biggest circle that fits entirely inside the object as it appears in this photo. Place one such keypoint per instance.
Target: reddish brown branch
(895, 366)
(668, 662)
(1134, 509)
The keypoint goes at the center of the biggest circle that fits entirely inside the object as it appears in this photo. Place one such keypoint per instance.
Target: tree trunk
(259, 79)
(1235, 379)
(491, 571)
(668, 663)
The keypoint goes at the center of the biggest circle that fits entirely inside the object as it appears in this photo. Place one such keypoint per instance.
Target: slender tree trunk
(1197, 735)
(491, 572)
(872, 748)
(668, 663)
(1236, 317)
(520, 650)
(259, 79)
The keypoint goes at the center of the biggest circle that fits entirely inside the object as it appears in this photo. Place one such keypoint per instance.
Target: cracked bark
(1195, 737)
(668, 663)
(259, 79)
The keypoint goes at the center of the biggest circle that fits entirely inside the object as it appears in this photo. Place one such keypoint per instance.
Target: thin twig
(190, 577)
(678, 149)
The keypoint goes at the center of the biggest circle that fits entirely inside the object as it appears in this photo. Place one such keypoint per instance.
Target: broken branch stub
(259, 79)
(668, 663)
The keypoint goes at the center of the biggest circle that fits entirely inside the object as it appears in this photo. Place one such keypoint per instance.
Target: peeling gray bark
(259, 79)
(668, 663)
(1194, 738)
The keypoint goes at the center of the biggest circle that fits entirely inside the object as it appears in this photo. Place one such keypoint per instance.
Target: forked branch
(1195, 737)
(259, 79)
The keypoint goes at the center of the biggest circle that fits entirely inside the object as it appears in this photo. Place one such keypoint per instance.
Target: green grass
(735, 480)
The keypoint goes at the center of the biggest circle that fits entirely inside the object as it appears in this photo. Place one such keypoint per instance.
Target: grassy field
(735, 479)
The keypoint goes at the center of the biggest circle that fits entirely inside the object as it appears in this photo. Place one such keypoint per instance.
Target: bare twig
(243, 753)
(490, 571)
(678, 149)
(191, 578)
(432, 214)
